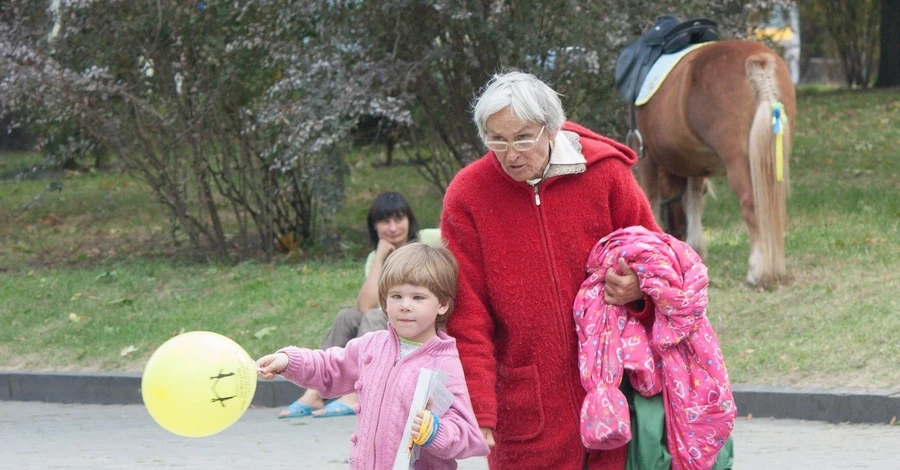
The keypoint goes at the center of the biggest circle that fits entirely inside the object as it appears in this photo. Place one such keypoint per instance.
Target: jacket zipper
(550, 263)
(384, 387)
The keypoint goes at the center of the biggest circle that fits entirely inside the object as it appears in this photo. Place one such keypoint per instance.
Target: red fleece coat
(521, 265)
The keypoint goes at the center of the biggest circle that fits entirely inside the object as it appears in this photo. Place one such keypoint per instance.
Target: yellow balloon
(199, 383)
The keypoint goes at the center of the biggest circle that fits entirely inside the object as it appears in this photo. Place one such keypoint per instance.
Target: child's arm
(331, 372)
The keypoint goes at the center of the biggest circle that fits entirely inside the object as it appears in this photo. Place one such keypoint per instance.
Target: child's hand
(417, 424)
(420, 416)
(269, 366)
(425, 426)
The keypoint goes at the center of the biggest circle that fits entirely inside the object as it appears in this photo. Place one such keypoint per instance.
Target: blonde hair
(418, 264)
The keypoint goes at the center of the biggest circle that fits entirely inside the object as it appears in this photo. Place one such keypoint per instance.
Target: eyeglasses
(520, 145)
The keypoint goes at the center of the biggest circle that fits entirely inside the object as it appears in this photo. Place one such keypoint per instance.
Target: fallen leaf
(106, 276)
(749, 415)
(264, 332)
(77, 318)
(122, 301)
(288, 243)
(51, 219)
(893, 421)
(127, 350)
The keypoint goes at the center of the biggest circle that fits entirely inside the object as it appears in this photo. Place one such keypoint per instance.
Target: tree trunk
(389, 144)
(889, 61)
(71, 164)
(102, 160)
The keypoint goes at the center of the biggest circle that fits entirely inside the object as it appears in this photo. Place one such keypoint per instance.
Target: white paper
(431, 384)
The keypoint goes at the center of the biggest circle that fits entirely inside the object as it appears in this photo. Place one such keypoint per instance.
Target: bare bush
(234, 113)
(438, 53)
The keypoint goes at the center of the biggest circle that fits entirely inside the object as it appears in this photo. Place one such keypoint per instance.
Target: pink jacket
(369, 366)
(680, 357)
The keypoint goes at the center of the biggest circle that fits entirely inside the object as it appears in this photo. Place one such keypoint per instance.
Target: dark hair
(386, 205)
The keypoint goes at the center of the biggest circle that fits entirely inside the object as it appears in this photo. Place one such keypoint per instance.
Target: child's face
(412, 311)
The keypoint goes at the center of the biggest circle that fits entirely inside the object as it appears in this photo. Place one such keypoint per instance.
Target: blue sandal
(336, 408)
(297, 410)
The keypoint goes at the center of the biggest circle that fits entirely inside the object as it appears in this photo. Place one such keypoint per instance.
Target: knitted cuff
(434, 431)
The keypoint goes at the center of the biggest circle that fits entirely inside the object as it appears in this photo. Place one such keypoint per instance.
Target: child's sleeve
(331, 372)
(459, 436)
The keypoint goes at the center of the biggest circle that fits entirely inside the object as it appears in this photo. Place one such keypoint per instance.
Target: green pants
(647, 449)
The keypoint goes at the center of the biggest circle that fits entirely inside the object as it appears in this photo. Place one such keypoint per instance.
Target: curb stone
(113, 388)
(835, 405)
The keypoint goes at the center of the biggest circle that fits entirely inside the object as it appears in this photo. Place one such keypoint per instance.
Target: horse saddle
(669, 34)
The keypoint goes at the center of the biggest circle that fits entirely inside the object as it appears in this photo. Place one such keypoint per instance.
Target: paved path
(48, 435)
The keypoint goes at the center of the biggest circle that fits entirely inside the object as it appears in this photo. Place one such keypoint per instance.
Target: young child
(416, 290)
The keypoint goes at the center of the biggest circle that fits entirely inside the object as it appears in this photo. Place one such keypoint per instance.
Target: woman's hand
(621, 289)
(383, 249)
(488, 434)
(269, 366)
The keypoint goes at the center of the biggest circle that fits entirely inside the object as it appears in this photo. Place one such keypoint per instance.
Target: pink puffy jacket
(680, 356)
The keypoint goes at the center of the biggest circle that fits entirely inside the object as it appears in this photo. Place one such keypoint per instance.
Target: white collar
(563, 154)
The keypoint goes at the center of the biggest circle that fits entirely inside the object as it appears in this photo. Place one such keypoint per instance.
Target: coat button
(357, 385)
(353, 438)
(356, 408)
(368, 359)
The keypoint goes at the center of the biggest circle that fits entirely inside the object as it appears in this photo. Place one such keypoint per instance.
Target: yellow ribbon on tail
(779, 122)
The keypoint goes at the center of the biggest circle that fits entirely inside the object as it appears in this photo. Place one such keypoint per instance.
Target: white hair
(530, 99)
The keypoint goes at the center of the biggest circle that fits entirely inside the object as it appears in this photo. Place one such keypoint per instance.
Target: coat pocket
(520, 405)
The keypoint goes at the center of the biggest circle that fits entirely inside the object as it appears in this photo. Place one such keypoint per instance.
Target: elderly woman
(522, 221)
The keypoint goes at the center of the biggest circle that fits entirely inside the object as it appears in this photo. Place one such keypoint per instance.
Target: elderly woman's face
(504, 126)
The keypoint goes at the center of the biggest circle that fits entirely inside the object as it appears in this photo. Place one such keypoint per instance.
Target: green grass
(89, 272)
(88, 318)
(101, 249)
(837, 323)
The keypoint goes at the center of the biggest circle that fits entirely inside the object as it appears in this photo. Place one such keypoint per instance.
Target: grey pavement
(835, 405)
(76, 436)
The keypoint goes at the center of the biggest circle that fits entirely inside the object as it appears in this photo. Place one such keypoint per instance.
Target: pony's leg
(672, 189)
(648, 179)
(742, 186)
(693, 208)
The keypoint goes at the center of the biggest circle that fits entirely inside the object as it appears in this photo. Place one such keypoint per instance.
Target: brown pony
(712, 115)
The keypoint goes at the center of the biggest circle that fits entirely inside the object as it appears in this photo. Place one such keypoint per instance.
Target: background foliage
(234, 113)
(89, 280)
(233, 130)
(238, 114)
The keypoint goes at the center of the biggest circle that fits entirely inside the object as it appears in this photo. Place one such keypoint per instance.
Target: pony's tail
(767, 267)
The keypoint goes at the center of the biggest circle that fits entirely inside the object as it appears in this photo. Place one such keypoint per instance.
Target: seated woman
(390, 222)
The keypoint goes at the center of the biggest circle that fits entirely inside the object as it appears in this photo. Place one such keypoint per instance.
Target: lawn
(90, 278)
